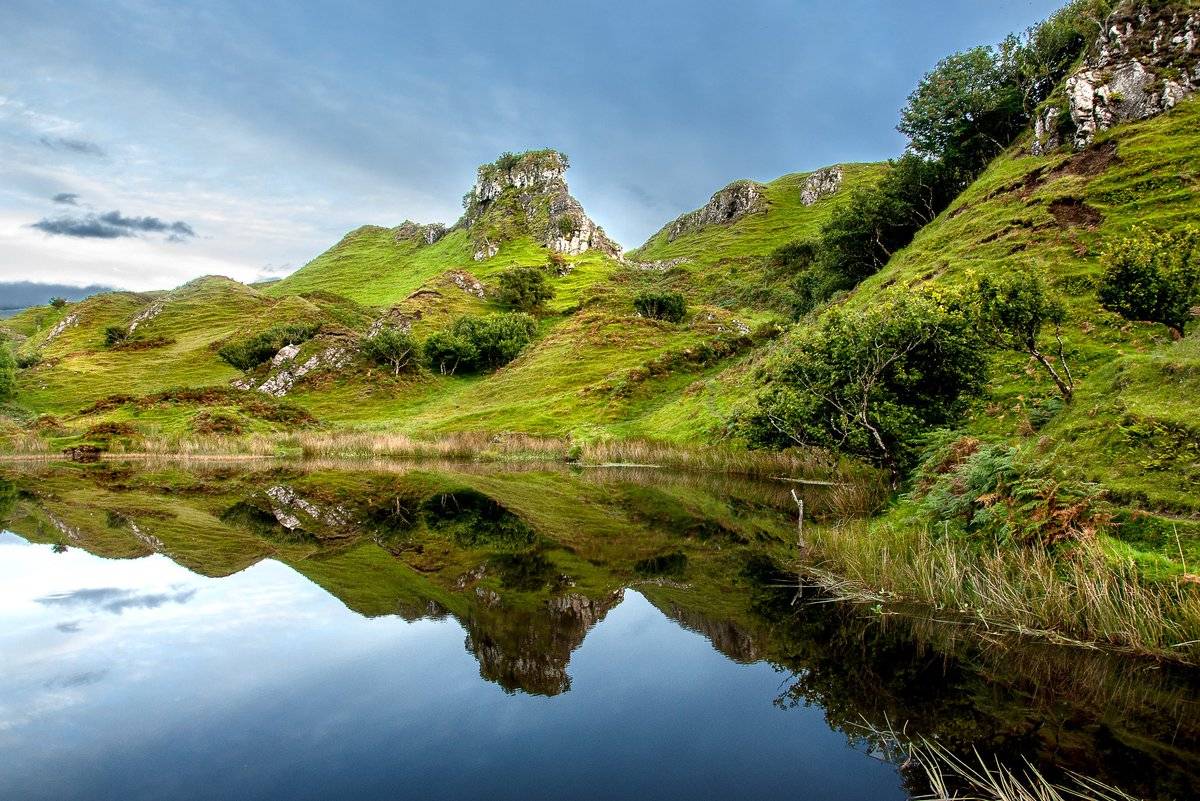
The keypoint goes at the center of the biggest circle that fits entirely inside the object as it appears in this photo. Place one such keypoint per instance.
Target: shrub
(30, 359)
(8, 371)
(57, 302)
(1013, 310)
(249, 353)
(669, 306)
(524, 288)
(479, 343)
(1154, 277)
(115, 335)
(392, 348)
(871, 382)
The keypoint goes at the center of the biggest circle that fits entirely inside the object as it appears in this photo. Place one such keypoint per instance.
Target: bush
(392, 348)
(57, 302)
(30, 359)
(479, 343)
(8, 371)
(1154, 277)
(249, 353)
(115, 335)
(669, 306)
(524, 288)
(871, 382)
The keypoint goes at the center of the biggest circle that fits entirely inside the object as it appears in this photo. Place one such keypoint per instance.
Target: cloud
(69, 626)
(66, 198)
(23, 294)
(81, 146)
(74, 680)
(116, 600)
(113, 225)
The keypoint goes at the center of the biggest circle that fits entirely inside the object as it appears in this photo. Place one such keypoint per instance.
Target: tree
(479, 343)
(393, 348)
(524, 288)
(58, 302)
(1012, 312)
(871, 382)
(8, 371)
(669, 306)
(965, 111)
(1154, 276)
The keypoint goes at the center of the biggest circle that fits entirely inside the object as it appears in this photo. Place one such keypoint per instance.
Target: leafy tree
(1013, 310)
(445, 352)
(1154, 276)
(524, 288)
(871, 382)
(8, 371)
(58, 302)
(965, 111)
(392, 348)
(479, 343)
(669, 306)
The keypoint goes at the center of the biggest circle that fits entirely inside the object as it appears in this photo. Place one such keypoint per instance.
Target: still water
(307, 633)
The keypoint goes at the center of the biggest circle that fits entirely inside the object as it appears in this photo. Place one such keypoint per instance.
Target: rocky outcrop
(145, 315)
(409, 231)
(285, 373)
(63, 324)
(821, 184)
(727, 205)
(1145, 62)
(527, 195)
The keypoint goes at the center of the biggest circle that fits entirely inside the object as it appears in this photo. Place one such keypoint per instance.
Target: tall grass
(1083, 597)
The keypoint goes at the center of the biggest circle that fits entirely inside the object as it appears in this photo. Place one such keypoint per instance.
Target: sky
(143, 144)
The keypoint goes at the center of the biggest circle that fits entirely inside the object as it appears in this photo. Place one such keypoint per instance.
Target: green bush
(8, 371)
(249, 353)
(392, 348)
(57, 302)
(479, 343)
(524, 288)
(1013, 309)
(1154, 277)
(871, 382)
(30, 359)
(669, 306)
(115, 335)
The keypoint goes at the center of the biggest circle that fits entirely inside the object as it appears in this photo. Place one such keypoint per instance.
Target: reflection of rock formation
(529, 650)
(725, 635)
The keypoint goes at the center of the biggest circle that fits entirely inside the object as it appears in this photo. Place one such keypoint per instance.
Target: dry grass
(1083, 597)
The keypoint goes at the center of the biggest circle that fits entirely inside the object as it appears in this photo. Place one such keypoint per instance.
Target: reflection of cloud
(115, 600)
(75, 680)
(69, 626)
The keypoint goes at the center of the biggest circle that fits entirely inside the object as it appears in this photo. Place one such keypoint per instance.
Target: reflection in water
(280, 577)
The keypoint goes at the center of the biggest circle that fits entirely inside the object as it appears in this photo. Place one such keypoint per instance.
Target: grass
(1087, 597)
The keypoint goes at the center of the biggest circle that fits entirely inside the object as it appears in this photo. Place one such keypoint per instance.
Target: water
(449, 633)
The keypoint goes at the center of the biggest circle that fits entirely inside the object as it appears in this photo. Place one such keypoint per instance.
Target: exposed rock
(467, 283)
(1145, 62)
(146, 315)
(821, 184)
(63, 324)
(527, 194)
(286, 354)
(281, 382)
(662, 265)
(409, 231)
(289, 509)
(727, 205)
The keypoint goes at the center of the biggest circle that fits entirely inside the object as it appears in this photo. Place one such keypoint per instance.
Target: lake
(295, 631)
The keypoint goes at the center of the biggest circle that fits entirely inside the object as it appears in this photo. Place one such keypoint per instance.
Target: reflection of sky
(138, 679)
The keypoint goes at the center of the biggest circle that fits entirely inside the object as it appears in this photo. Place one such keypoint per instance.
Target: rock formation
(821, 184)
(409, 231)
(526, 195)
(1145, 62)
(727, 205)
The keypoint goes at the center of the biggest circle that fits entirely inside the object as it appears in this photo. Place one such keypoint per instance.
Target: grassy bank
(1086, 595)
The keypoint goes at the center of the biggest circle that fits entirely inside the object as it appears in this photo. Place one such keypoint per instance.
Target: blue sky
(244, 138)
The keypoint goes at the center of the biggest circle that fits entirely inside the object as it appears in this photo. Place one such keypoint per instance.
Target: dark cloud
(67, 198)
(76, 680)
(115, 600)
(82, 146)
(113, 225)
(23, 294)
(69, 626)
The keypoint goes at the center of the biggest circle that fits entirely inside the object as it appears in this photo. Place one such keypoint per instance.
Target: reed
(1082, 597)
